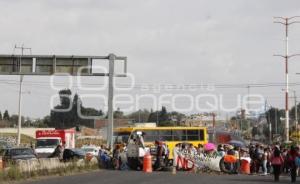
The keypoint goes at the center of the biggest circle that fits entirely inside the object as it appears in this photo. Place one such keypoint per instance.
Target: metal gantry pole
(110, 134)
(286, 22)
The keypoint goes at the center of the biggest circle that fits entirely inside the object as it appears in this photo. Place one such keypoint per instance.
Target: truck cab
(46, 145)
(48, 140)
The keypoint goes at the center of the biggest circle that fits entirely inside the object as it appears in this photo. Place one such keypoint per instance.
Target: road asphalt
(133, 177)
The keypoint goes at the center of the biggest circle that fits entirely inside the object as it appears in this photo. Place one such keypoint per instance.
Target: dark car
(73, 154)
(11, 155)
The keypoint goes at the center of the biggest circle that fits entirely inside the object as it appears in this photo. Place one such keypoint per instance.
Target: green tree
(14, 120)
(177, 117)
(153, 116)
(254, 131)
(139, 116)
(163, 116)
(166, 123)
(118, 114)
(46, 120)
(273, 116)
(65, 98)
(6, 116)
(0, 116)
(292, 112)
(61, 117)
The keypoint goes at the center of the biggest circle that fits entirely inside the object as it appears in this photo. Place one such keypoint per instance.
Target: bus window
(151, 135)
(201, 135)
(192, 135)
(165, 135)
(179, 135)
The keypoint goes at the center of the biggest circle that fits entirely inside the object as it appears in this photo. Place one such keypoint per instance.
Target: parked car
(73, 154)
(92, 150)
(11, 155)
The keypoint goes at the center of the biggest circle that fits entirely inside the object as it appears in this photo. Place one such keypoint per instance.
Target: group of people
(274, 159)
(264, 159)
(115, 160)
(201, 151)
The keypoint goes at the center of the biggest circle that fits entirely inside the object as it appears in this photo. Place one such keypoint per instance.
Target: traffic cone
(147, 163)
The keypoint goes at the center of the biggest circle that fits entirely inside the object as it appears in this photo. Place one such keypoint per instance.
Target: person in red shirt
(291, 161)
(277, 162)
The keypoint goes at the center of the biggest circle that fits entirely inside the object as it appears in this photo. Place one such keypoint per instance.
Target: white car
(93, 150)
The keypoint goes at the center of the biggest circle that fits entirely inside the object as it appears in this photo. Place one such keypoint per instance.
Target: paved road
(133, 177)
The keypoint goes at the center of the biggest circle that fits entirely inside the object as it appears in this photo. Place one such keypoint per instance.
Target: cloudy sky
(167, 42)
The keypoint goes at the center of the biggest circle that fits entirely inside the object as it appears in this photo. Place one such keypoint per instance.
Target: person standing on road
(277, 162)
(200, 149)
(285, 167)
(253, 160)
(159, 155)
(237, 151)
(258, 157)
(116, 156)
(291, 161)
(265, 161)
(176, 151)
(221, 150)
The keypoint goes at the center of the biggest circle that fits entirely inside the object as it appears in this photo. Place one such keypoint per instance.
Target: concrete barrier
(43, 163)
(50, 163)
(27, 165)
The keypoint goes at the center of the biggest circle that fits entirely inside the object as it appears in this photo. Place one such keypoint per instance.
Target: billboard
(51, 64)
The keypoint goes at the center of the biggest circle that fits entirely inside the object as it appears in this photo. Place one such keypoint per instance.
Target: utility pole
(286, 21)
(20, 112)
(296, 112)
(276, 125)
(157, 117)
(296, 115)
(270, 127)
(139, 115)
(248, 99)
(22, 48)
(214, 126)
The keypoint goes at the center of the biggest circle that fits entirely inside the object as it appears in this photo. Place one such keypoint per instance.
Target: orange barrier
(230, 159)
(245, 167)
(147, 163)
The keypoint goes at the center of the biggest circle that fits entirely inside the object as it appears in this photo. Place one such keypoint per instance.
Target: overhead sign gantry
(62, 65)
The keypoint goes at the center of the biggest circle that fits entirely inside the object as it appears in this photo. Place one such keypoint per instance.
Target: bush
(14, 174)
